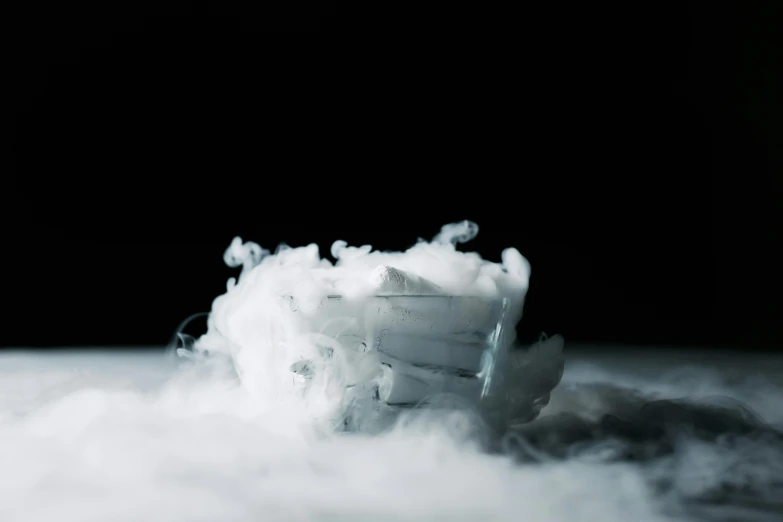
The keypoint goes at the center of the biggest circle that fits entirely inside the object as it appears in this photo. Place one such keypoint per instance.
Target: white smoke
(626, 436)
(95, 437)
(295, 324)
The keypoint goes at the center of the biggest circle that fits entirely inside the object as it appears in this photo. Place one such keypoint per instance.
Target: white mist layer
(128, 438)
(296, 346)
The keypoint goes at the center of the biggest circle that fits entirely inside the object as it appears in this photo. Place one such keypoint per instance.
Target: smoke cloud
(251, 424)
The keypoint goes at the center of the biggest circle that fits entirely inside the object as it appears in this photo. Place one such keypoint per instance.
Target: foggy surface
(129, 436)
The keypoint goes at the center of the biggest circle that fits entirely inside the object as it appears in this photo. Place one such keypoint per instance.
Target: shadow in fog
(704, 453)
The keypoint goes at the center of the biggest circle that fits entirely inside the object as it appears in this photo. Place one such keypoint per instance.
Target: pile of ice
(338, 342)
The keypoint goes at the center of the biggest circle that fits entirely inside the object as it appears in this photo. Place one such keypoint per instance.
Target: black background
(632, 154)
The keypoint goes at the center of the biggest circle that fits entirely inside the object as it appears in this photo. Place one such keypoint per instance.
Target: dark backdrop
(632, 154)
